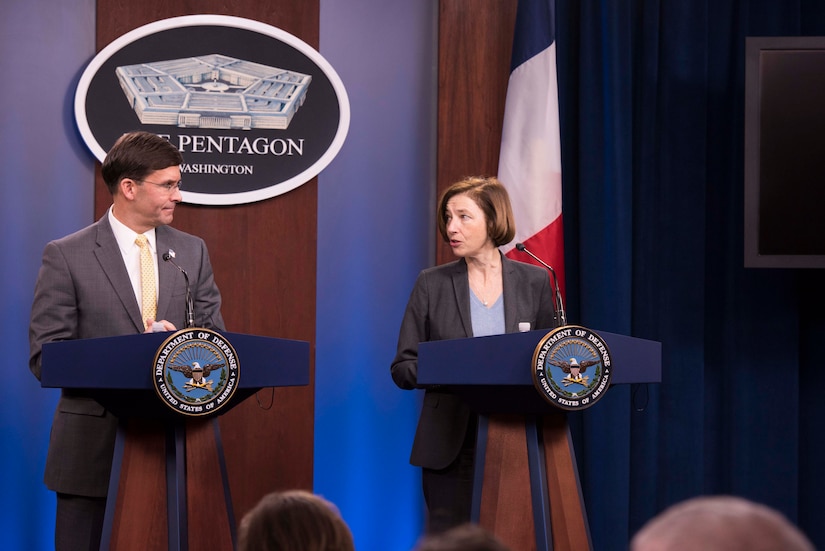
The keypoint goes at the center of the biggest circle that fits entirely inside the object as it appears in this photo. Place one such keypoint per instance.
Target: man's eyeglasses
(168, 187)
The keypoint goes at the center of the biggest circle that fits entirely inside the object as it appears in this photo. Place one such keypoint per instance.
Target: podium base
(526, 469)
(151, 499)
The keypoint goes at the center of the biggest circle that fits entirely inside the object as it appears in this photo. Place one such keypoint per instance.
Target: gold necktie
(148, 304)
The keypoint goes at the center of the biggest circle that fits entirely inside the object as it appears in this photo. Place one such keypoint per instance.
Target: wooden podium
(526, 487)
(169, 487)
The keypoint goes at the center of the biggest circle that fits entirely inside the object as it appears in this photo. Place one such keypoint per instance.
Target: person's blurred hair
(294, 520)
(467, 537)
(720, 523)
(491, 197)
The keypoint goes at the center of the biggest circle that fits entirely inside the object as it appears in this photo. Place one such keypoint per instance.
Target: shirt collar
(125, 236)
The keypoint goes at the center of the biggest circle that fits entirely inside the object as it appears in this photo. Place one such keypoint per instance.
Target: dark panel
(784, 118)
(264, 259)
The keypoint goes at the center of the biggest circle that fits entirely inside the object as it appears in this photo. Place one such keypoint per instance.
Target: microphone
(190, 308)
(561, 317)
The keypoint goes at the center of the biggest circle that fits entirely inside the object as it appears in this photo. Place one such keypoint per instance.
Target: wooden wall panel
(474, 45)
(264, 256)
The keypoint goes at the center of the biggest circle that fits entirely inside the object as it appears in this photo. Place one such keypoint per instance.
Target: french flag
(530, 159)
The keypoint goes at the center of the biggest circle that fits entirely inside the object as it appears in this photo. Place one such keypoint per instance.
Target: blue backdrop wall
(375, 232)
(46, 192)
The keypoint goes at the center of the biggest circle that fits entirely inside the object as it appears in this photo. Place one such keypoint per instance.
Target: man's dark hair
(135, 155)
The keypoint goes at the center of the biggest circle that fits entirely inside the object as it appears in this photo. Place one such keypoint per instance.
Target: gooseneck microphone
(558, 305)
(190, 308)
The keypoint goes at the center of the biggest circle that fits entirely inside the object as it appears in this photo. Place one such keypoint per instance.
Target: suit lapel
(166, 271)
(111, 262)
(461, 288)
(510, 287)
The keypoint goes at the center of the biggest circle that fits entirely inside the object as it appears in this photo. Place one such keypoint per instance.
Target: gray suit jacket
(82, 292)
(439, 308)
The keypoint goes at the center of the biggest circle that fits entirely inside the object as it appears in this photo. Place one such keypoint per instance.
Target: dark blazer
(82, 292)
(439, 308)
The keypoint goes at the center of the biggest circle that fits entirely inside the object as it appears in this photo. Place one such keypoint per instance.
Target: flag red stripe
(548, 244)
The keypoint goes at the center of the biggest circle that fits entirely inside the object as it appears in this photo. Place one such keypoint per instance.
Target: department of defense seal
(572, 367)
(196, 371)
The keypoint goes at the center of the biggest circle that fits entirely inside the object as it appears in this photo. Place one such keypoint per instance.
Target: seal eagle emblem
(572, 367)
(196, 371)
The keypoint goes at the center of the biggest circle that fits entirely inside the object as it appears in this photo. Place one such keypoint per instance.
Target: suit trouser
(79, 522)
(448, 492)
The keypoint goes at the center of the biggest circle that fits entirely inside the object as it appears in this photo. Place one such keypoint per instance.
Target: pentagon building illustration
(213, 91)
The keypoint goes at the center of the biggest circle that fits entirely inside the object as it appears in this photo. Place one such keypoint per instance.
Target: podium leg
(176, 502)
(209, 504)
(163, 474)
(478, 467)
(540, 499)
(227, 494)
(135, 515)
(525, 469)
(570, 527)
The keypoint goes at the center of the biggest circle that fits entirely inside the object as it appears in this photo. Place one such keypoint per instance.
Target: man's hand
(153, 326)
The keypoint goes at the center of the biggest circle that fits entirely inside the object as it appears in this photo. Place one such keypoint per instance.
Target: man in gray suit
(89, 286)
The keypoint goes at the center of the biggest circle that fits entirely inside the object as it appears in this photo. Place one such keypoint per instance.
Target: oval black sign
(255, 111)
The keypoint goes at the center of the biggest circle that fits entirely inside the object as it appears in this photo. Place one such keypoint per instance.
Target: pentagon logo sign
(255, 111)
(213, 91)
(572, 367)
(196, 372)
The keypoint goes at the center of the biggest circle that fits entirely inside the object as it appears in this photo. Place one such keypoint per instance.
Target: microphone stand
(190, 307)
(558, 303)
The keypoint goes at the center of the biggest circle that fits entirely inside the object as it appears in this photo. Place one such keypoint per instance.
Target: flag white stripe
(530, 157)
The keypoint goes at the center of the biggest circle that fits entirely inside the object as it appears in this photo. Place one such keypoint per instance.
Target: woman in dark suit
(481, 293)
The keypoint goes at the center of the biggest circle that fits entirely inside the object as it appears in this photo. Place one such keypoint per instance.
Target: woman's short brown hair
(294, 520)
(491, 197)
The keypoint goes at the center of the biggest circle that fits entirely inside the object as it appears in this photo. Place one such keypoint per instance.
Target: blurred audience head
(720, 523)
(294, 520)
(467, 537)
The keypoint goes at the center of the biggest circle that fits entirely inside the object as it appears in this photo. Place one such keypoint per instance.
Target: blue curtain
(652, 106)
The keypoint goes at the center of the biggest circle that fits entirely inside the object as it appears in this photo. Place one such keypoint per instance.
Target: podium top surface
(126, 362)
(506, 360)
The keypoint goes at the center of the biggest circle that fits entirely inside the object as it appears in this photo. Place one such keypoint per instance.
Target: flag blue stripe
(535, 29)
